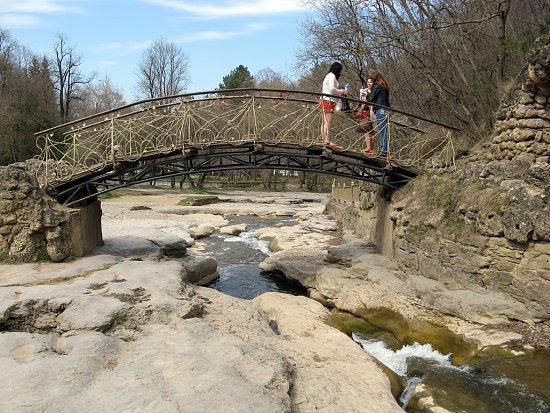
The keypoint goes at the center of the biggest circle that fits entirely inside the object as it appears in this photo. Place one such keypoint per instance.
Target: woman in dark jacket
(380, 95)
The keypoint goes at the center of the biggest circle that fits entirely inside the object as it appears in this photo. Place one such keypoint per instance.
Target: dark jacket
(379, 95)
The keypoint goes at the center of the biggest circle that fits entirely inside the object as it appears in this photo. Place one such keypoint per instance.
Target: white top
(330, 86)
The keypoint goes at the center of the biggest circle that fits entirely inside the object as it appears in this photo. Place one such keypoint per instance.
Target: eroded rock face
(490, 238)
(32, 225)
(523, 119)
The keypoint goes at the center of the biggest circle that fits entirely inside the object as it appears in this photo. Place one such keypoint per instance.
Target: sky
(111, 35)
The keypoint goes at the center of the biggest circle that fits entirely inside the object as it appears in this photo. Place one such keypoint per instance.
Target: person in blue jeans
(380, 95)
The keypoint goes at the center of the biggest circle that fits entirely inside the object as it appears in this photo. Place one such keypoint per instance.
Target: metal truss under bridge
(229, 130)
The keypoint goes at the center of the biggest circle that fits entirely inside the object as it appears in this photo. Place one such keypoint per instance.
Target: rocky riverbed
(129, 328)
(126, 330)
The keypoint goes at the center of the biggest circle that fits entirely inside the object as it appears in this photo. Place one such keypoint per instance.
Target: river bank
(127, 328)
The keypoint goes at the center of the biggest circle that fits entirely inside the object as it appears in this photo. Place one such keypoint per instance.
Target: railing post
(388, 133)
(253, 126)
(47, 157)
(113, 140)
(74, 151)
(182, 125)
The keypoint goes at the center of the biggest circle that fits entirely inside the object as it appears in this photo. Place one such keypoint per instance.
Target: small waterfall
(478, 389)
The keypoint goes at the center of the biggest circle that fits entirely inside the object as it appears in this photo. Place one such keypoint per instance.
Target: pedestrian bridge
(229, 130)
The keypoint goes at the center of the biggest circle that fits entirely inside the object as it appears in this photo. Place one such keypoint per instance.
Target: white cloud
(121, 48)
(16, 20)
(231, 8)
(216, 35)
(40, 6)
(25, 13)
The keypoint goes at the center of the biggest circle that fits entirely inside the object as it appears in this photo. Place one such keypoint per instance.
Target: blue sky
(111, 35)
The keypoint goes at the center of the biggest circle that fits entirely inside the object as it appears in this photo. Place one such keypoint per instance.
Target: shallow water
(239, 259)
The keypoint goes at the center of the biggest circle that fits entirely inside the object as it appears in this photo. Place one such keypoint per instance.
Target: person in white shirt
(330, 87)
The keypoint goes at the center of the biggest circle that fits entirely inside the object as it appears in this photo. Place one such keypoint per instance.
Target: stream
(493, 381)
(239, 258)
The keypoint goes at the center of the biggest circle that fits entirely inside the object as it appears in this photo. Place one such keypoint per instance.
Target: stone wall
(522, 127)
(33, 226)
(363, 209)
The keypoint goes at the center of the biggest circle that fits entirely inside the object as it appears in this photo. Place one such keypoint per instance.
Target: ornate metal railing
(149, 128)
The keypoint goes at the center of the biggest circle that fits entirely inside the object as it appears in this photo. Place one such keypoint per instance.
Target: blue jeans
(382, 123)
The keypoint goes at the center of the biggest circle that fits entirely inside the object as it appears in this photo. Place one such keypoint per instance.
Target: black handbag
(345, 105)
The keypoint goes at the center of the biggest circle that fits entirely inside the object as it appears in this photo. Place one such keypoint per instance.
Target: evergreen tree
(239, 78)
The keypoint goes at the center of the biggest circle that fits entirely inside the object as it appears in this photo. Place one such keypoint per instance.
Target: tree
(68, 79)
(27, 102)
(269, 79)
(446, 59)
(238, 78)
(98, 97)
(162, 71)
(312, 80)
(7, 49)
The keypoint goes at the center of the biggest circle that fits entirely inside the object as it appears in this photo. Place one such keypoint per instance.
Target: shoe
(331, 144)
(366, 151)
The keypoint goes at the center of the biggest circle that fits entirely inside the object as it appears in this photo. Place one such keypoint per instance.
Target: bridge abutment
(86, 232)
(34, 226)
(367, 212)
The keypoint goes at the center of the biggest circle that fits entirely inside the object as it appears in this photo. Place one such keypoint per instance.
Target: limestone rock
(202, 231)
(298, 264)
(32, 222)
(196, 268)
(233, 229)
(319, 352)
(57, 247)
(176, 249)
(91, 313)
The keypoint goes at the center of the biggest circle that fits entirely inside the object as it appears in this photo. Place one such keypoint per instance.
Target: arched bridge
(228, 130)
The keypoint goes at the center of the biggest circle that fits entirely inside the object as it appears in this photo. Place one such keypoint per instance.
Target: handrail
(233, 117)
(226, 91)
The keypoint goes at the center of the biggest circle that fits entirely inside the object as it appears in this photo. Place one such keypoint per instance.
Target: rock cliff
(482, 229)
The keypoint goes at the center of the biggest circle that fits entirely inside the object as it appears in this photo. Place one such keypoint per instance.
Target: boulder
(233, 229)
(198, 268)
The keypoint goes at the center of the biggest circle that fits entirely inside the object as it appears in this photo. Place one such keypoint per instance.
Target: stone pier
(35, 227)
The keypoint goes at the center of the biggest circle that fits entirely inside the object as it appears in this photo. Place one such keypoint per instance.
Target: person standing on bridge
(380, 95)
(326, 103)
(365, 116)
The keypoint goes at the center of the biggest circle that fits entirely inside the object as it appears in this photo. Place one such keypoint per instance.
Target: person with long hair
(380, 95)
(327, 103)
(365, 116)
